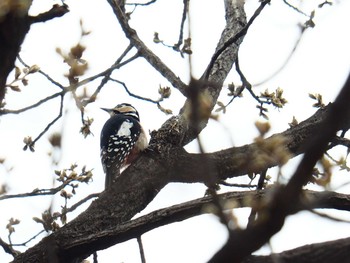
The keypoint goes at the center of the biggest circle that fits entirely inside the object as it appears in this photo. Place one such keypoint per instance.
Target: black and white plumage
(122, 139)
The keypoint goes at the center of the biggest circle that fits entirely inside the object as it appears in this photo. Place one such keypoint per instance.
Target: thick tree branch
(238, 161)
(118, 233)
(232, 200)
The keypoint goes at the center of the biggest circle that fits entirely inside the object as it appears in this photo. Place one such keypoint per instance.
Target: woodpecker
(122, 139)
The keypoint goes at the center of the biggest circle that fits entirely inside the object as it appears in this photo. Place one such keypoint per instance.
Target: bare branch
(55, 95)
(30, 239)
(42, 73)
(142, 4)
(134, 95)
(32, 143)
(8, 248)
(76, 205)
(38, 192)
(295, 8)
(144, 51)
(55, 11)
(336, 250)
(234, 39)
(184, 14)
(286, 61)
(142, 252)
(107, 73)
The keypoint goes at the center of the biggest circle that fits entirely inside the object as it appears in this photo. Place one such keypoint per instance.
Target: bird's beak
(108, 110)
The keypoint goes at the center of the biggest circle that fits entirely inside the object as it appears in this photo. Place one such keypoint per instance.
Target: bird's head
(123, 108)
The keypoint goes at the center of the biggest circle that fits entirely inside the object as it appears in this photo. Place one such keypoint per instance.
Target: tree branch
(331, 251)
(144, 51)
(204, 93)
(54, 12)
(242, 243)
(8, 248)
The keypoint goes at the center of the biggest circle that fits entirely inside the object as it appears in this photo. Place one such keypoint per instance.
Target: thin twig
(329, 217)
(134, 95)
(295, 8)
(254, 210)
(38, 192)
(42, 73)
(142, 252)
(95, 257)
(76, 205)
(238, 185)
(50, 124)
(245, 83)
(30, 239)
(106, 74)
(296, 45)
(55, 95)
(142, 4)
(183, 19)
(286, 61)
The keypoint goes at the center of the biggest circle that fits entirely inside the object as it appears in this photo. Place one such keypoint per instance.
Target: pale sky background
(320, 65)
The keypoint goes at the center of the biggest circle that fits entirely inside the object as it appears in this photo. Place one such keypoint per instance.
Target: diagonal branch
(203, 93)
(246, 159)
(234, 39)
(325, 252)
(144, 51)
(232, 200)
(183, 211)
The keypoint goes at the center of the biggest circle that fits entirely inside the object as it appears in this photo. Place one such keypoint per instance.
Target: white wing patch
(125, 128)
